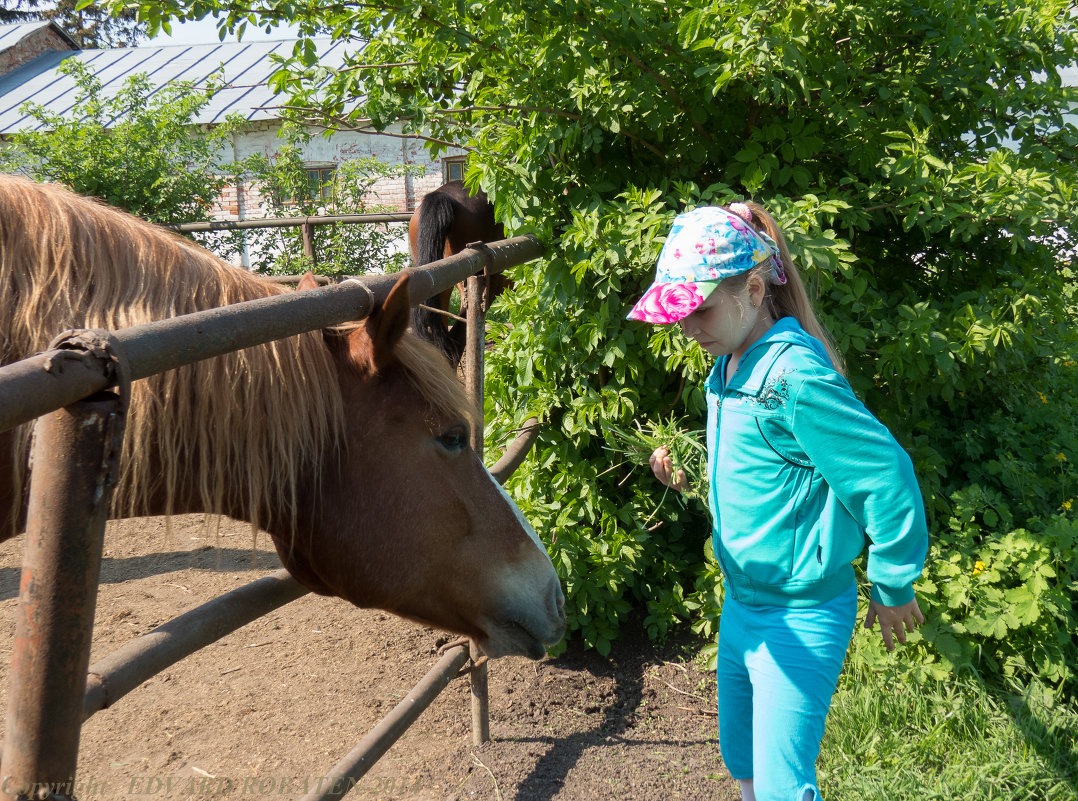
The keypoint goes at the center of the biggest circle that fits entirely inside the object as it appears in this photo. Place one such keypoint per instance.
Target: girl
(802, 476)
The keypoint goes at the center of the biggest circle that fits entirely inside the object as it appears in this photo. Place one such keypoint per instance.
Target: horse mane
(259, 419)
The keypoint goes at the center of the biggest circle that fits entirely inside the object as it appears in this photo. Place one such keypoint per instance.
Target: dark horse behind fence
(350, 445)
(448, 220)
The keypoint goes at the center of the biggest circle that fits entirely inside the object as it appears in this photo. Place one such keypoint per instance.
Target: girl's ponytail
(791, 299)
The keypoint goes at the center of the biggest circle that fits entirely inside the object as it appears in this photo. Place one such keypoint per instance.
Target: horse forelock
(425, 369)
(258, 420)
(433, 378)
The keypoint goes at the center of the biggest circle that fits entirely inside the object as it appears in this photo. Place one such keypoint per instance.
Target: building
(30, 54)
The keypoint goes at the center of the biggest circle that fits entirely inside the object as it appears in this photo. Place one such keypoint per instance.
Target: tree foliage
(918, 155)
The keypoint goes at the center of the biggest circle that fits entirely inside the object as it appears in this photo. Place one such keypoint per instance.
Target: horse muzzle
(523, 630)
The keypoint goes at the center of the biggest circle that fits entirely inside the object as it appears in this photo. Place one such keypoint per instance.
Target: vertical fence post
(473, 378)
(74, 465)
(308, 242)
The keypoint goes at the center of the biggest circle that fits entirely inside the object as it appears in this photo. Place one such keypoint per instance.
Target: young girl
(802, 476)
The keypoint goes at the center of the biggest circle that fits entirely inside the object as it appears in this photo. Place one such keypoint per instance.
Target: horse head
(407, 518)
(349, 446)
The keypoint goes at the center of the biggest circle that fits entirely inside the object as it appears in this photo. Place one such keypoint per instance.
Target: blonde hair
(259, 419)
(789, 299)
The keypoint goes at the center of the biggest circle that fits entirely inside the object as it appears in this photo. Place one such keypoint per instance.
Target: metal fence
(76, 390)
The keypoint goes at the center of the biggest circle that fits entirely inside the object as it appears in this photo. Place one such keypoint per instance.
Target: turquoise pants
(777, 670)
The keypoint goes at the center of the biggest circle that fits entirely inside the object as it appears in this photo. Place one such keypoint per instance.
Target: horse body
(348, 446)
(448, 220)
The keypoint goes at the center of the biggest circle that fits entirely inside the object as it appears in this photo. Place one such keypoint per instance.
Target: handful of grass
(688, 450)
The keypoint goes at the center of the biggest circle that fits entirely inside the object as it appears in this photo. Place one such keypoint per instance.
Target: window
(320, 182)
(453, 168)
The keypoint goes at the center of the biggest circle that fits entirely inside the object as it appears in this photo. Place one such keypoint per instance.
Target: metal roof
(246, 70)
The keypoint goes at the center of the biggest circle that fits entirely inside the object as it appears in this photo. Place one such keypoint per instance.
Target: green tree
(917, 153)
(136, 149)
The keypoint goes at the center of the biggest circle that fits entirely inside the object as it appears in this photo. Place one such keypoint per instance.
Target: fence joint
(95, 344)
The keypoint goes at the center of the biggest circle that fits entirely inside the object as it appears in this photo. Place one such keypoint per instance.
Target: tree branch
(315, 118)
(540, 109)
(387, 65)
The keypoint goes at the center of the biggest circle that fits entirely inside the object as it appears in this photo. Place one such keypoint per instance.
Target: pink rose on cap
(668, 303)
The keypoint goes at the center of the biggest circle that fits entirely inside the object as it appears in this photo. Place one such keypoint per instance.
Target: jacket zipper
(716, 543)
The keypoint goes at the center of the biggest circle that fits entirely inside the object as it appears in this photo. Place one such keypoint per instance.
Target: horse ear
(307, 282)
(387, 325)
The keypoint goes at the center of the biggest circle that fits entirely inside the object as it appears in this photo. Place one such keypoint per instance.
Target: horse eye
(455, 439)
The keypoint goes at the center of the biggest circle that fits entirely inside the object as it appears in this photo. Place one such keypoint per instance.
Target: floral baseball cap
(704, 246)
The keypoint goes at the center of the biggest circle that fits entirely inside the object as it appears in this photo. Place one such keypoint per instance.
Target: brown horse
(447, 220)
(348, 445)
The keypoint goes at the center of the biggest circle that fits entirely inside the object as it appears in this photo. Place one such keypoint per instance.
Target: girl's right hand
(663, 468)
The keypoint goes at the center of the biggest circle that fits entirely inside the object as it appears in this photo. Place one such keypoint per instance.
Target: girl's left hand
(663, 468)
(898, 619)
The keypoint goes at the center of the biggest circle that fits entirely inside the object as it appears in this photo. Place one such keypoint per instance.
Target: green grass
(889, 738)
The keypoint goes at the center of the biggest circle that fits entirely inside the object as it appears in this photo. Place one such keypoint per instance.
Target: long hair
(255, 423)
(789, 299)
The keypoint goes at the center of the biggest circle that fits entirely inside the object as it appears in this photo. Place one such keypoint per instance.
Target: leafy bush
(979, 386)
(580, 366)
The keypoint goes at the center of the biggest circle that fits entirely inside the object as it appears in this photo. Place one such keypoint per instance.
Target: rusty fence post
(308, 242)
(74, 461)
(473, 379)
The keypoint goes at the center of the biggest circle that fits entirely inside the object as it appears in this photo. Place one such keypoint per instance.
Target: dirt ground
(268, 710)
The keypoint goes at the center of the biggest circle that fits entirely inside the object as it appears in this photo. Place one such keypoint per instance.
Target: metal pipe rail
(516, 451)
(54, 379)
(77, 452)
(126, 668)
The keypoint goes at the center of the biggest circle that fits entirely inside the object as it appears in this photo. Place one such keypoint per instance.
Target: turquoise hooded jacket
(803, 476)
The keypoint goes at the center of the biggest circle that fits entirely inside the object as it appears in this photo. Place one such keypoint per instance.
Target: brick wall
(386, 192)
(28, 48)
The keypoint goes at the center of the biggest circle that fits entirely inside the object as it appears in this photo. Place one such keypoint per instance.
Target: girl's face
(722, 324)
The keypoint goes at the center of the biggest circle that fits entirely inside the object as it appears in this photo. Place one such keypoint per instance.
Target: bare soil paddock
(269, 710)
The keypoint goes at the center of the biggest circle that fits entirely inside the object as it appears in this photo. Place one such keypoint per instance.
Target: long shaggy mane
(256, 419)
